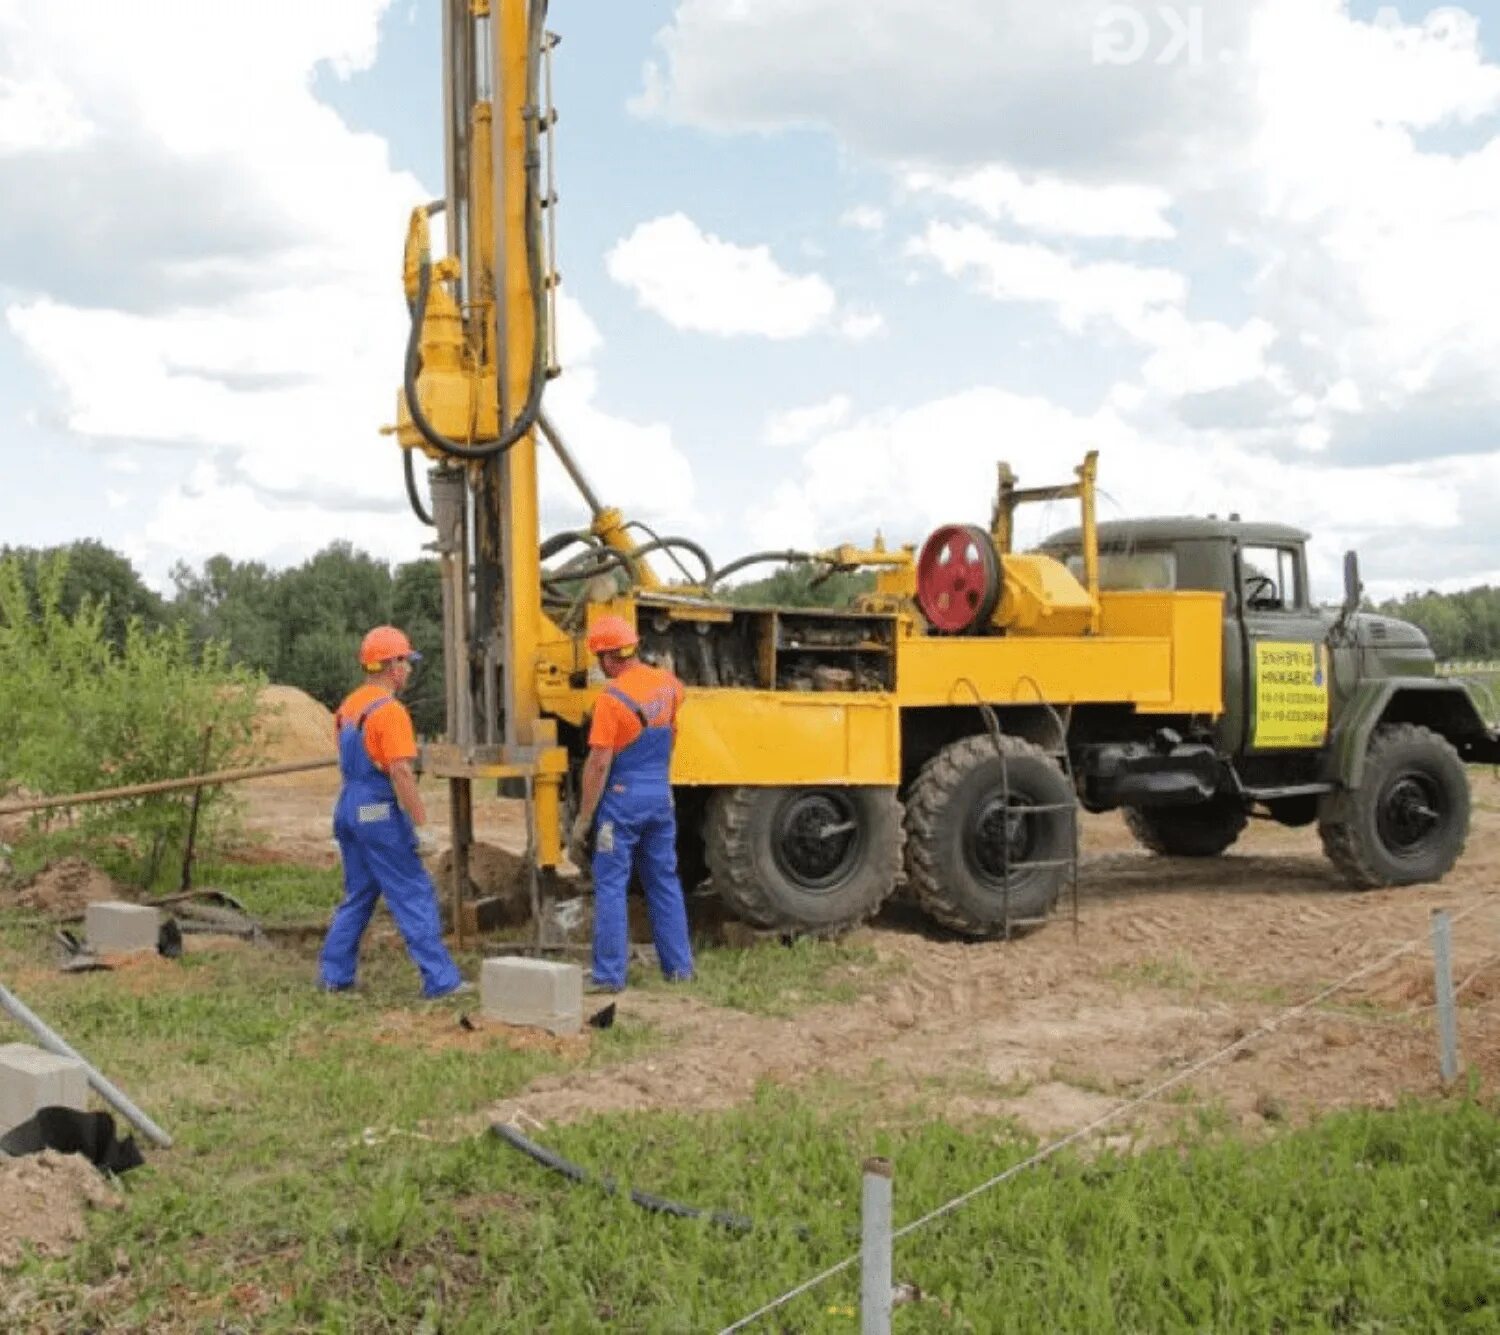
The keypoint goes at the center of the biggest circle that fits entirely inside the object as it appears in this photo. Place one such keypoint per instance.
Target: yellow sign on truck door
(1291, 694)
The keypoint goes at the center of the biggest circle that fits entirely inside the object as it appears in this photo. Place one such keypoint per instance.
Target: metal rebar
(1442, 960)
(875, 1249)
(163, 786)
(192, 830)
(55, 1043)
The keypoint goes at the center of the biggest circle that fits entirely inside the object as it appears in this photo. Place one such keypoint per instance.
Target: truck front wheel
(1408, 819)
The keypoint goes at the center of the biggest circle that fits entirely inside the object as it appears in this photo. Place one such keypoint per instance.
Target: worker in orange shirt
(627, 785)
(376, 821)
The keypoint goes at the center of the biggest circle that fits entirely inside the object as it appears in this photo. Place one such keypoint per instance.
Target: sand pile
(43, 1199)
(293, 726)
(65, 888)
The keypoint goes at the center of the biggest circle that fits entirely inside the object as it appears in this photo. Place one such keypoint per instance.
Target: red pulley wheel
(958, 578)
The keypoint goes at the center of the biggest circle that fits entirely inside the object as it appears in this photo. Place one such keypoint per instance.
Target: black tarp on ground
(72, 1132)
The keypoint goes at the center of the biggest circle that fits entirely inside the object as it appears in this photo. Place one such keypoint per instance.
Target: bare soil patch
(443, 1031)
(494, 872)
(1169, 961)
(63, 889)
(43, 1200)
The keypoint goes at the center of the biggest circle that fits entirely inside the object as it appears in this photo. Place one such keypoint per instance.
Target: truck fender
(1444, 704)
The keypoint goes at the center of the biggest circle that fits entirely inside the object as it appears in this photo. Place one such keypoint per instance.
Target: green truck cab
(1332, 716)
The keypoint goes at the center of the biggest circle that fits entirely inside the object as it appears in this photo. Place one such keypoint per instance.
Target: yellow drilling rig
(943, 727)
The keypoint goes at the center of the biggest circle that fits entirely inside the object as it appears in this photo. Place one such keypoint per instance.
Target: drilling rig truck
(945, 727)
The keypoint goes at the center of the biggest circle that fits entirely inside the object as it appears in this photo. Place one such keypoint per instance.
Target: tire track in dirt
(1171, 960)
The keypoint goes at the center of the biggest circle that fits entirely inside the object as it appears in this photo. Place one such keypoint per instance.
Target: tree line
(1459, 625)
(301, 625)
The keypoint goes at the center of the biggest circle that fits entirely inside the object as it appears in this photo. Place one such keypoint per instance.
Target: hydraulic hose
(560, 542)
(761, 558)
(610, 559)
(686, 544)
(412, 494)
(526, 419)
(569, 573)
(736, 1223)
(656, 537)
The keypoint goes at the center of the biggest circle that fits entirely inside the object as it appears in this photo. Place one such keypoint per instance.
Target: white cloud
(857, 326)
(1127, 296)
(699, 282)
(1199, 357)
(905, 472)
(979, 82)
(1051, 205)
(796, 426)
(636, 466)
(39, 114)
(231, 288)
(864, 218)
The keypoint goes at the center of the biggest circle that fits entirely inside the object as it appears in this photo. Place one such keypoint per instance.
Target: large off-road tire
(962, 833)
(1408, 819)
(805, 859)
(1203, 830)
(692, 854)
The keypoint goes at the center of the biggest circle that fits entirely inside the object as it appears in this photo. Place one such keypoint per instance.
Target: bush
(81, 713)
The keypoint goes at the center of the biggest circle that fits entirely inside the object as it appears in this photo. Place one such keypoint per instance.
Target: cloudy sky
(825, 262)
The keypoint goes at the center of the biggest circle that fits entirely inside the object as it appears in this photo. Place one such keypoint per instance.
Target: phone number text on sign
(1291, 694)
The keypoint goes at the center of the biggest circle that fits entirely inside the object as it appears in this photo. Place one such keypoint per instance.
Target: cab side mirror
(1354, 590)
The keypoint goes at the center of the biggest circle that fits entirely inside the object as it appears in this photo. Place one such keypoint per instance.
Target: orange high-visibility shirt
(388, 732)
(655, 690)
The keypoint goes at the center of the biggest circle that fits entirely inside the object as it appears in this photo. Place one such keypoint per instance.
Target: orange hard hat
(383, 644)
(612, 634)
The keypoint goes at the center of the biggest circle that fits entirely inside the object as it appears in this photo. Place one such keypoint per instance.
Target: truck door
(1286, 670)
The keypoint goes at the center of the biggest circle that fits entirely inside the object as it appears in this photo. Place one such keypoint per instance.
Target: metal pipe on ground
(55, 1043)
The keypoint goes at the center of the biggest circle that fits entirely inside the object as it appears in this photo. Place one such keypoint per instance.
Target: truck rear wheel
(1408, 819)
(1203, 830)
(804, 859)
(969, 833)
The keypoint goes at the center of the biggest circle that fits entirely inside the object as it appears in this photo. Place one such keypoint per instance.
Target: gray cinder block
(117, 928)
(539, 993)
(31, 1079)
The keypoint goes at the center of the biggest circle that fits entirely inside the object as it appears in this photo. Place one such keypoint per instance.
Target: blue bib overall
(637, 827)
(378, 845)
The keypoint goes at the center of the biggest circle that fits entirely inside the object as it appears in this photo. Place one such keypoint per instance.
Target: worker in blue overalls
(627, 785)
(376, 823)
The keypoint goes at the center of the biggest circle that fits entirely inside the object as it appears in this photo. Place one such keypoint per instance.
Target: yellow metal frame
(1157, 652)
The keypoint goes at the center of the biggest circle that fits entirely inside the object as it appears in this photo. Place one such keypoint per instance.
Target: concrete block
(31, 1079)
(117, 928)
(540, 993)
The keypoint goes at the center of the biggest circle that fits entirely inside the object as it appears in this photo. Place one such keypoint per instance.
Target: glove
(578, 846)
(427, 844)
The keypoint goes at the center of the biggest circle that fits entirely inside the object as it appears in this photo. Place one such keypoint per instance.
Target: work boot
(459, 989)
(592, 987)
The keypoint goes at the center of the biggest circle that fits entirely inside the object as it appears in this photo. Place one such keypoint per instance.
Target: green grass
(276, 892)
(1177, 974)
(1367, 1222)
(272, 1213)
(772, 978)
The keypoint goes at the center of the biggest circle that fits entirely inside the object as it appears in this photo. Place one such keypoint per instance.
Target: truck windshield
(1131, 570)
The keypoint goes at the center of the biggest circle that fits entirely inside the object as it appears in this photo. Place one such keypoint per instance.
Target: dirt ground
(1169, 960)
(43, 1198)
(64, 889)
